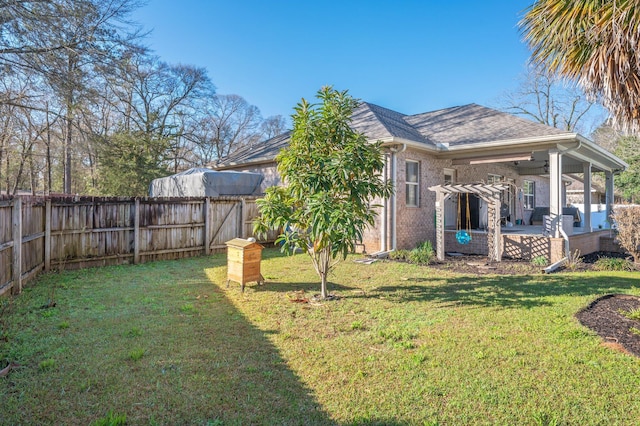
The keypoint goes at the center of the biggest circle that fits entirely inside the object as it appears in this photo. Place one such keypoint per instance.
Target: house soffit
(530, 156)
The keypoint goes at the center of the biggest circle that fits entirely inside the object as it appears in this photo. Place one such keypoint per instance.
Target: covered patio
(556, 236)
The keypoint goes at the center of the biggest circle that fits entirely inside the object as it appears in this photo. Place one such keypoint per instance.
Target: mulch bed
(603, 316)
(476, 264)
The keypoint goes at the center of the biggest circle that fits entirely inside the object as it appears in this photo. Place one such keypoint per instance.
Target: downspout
(383, 217)
(394, 205)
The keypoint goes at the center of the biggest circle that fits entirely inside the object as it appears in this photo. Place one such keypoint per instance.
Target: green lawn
(168, 343)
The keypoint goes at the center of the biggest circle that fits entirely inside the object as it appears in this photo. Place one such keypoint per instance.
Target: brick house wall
(417, 224)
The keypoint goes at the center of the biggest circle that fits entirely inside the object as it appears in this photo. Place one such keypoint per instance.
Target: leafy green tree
(332, 174)
(594, 43)
(129, 162)
(628, 182)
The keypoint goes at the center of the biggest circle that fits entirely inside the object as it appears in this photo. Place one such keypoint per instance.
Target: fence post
(47, 235)
(207, 226)
(136, 232)
(243, 214)
(17, 244)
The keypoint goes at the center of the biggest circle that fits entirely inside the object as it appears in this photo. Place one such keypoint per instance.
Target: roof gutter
(587, 144)
(510, 142)
(406, 143)
(234, 165)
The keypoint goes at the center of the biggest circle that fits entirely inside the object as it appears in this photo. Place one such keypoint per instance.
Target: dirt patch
(475, 264)
(604, 317)
(471, 264)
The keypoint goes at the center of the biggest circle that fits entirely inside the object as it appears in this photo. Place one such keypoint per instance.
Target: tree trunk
(7, 177)
(67, 149)
(325, 259)
(69, 98)
(47, 188)
(323, 286)
(32, 172)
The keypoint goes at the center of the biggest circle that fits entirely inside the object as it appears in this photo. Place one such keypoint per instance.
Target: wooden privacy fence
(44, 233)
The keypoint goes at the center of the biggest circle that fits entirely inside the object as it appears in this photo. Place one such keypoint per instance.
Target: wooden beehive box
(243, 261)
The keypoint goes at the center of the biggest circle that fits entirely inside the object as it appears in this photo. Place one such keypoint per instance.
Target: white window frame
(452, 175)
(528, 194)
(411, 186)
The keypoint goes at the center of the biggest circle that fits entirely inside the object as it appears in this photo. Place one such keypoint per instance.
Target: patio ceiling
(531, 156)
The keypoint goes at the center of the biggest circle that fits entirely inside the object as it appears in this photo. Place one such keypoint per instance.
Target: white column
(586, 220)
(555, 191)
(609, 193)
(385, 207)
(394, 200)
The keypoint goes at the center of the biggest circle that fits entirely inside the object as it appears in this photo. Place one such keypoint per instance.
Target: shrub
(539, 261)
(613, 264)
(574, 261)
(399, 255)
(626, 219)
(424, 253)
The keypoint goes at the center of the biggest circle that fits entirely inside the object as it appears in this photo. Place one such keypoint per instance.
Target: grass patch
(111, 419)
(136, 354)
(633, 314)
(402, 344)
(47, 364)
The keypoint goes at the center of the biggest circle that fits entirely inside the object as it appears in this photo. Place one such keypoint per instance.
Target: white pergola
(489, 193)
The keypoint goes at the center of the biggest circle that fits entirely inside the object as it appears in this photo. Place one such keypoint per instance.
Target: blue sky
(408, 55)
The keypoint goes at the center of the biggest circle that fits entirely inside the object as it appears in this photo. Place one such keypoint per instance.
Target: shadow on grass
(526, 291)
(291, 287)
(201, 361)
(254, 383)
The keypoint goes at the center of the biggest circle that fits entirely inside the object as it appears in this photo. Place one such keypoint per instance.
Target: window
(494, 179)
(412, 183)
(529, 194)
(449, 176)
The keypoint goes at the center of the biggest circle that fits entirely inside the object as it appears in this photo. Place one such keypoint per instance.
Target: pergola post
(488, 193)
(440, 224)
(495, 252)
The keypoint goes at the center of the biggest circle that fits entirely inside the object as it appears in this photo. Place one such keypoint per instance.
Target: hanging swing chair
(463, 236)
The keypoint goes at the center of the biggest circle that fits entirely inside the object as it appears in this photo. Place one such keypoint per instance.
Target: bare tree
(546, 99)
(230, 124)
(154, 102)
(64, 41)
(273, 126)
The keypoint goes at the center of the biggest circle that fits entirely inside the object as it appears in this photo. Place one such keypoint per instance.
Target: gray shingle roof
(376, 122)
(261, 152)
(467, 124)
